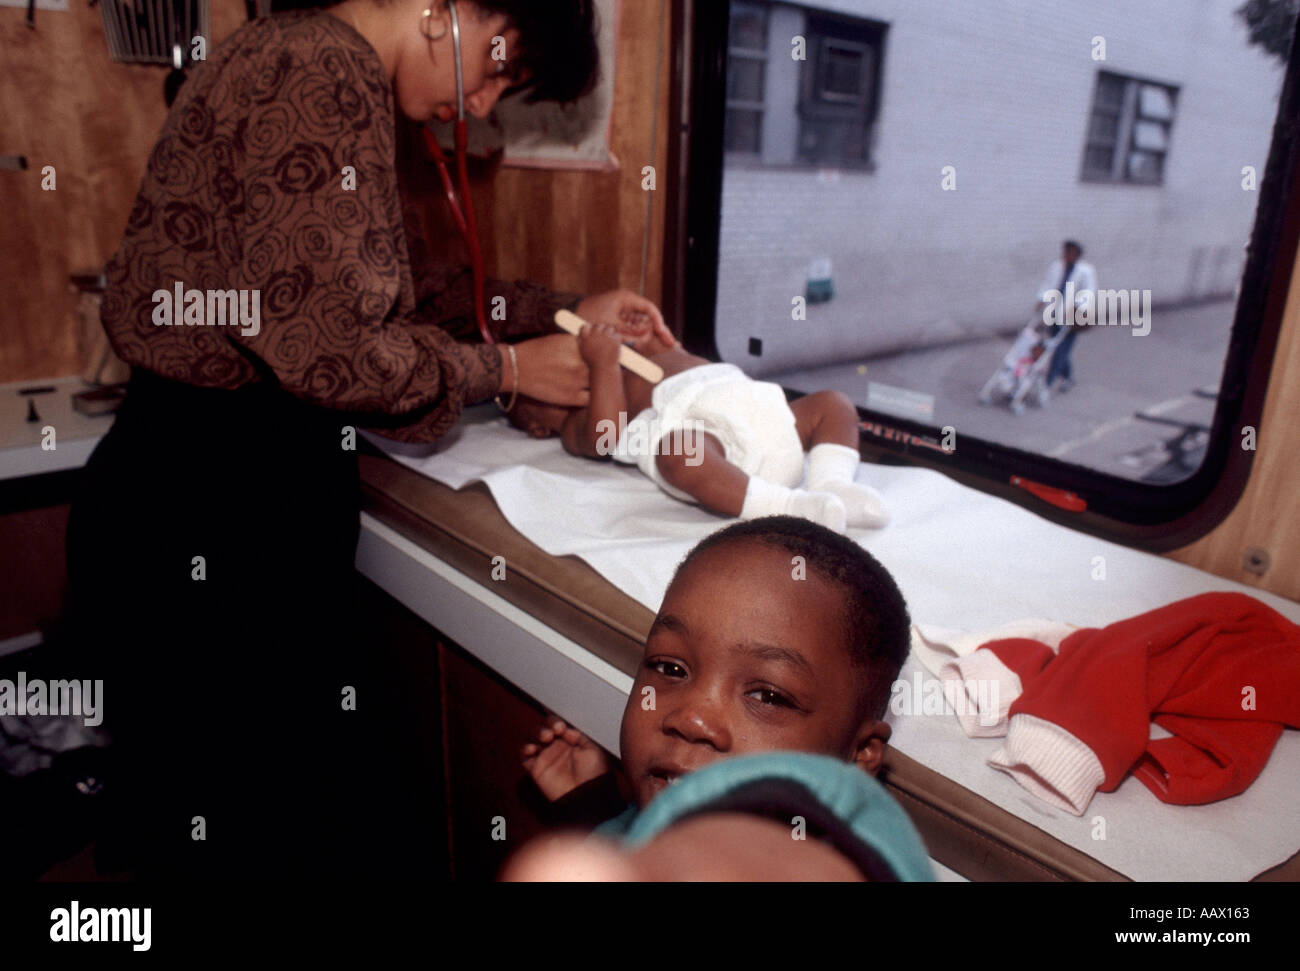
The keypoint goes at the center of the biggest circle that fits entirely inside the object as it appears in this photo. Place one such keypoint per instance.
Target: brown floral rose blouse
(245, 191)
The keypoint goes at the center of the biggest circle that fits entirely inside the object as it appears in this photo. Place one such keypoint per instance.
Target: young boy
(707, 433)
(775, 636)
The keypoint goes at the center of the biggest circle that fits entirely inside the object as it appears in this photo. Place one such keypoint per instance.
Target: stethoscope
(464, 217)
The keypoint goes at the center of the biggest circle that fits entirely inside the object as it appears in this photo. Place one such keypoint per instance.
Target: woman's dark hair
(877, 628)
(557, 46)
(558, 52)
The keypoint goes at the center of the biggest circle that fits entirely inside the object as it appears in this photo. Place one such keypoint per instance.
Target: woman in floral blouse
(211, 547)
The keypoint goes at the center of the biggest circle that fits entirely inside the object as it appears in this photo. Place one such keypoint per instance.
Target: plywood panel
(582, 231)
(64, 102)
(572, 230)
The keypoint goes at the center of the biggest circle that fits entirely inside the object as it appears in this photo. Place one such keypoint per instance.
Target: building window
(816, 108)
(841, 77)
(746, 78)
(1128, 133)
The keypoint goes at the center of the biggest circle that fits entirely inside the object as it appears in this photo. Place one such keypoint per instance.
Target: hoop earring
(424, 20)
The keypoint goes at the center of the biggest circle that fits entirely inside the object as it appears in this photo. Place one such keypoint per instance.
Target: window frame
(1153, 517)
(1129, 114)
(823, 29)
(760, 56)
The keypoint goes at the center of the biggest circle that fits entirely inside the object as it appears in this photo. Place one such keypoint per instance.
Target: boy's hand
(712, 847)
(563, 759)
(598, 344)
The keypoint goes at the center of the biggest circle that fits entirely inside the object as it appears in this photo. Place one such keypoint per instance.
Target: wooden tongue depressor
(636, 363)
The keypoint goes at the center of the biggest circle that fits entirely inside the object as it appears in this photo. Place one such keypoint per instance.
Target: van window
(1017, 235)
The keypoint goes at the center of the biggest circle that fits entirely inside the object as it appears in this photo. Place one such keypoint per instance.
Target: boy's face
(744, 658)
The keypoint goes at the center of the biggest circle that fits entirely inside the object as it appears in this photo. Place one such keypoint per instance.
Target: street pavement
(1168, 375)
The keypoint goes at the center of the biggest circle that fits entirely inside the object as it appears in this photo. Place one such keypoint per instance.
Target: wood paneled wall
(584, 230)
(578, 231)
(64, 102)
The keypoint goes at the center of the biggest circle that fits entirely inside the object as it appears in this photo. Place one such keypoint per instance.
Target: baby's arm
(592, 431)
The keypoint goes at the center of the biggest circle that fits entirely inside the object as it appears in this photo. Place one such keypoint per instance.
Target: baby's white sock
(832, 468)
(763, 498)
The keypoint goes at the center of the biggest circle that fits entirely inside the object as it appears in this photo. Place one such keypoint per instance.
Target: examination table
(570, 639)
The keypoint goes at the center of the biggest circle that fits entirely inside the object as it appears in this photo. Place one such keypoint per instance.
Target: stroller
(1023, 372)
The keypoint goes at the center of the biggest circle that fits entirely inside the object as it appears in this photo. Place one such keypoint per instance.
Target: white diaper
(751, 418)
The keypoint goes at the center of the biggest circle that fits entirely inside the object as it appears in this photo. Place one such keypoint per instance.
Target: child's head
(775, 633)
(537, 418)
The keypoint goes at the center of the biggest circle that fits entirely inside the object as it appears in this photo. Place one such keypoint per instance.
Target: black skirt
(210, 568)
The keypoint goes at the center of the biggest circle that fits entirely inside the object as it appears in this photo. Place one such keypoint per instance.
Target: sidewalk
(1116, 376)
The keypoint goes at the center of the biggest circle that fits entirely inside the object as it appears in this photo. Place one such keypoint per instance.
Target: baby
(775, 636)
(707, 433)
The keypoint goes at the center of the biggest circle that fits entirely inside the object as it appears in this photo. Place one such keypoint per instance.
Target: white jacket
(1084, 279)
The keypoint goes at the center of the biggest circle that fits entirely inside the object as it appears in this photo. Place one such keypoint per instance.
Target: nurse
(211, 546)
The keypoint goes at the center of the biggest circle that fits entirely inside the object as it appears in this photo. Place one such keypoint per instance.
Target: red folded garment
(1220, 671)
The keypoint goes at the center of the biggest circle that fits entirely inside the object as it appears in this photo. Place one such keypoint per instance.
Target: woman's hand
(562, 759)
(638, 320)
(550, 369)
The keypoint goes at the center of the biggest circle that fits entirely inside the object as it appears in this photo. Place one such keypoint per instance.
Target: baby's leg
(826, 416)
(696, 463)
(705, 475)
(827, 422)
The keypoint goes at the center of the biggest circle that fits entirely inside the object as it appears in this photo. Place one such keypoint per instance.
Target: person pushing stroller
(1077, 279)
(1041, 352)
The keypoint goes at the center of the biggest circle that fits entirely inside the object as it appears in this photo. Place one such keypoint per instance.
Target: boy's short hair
(877, 628)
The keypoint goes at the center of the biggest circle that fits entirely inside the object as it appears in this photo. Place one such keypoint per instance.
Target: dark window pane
(744, 131)
(748, 28)
(844, 70)
(745, 79)
(1099, 161)
(1110, 91)
(1104, 129)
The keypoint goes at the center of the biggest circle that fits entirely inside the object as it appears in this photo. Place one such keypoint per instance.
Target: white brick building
(1007, 93)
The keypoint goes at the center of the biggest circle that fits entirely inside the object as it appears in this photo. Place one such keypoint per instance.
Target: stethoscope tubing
(462, 210)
